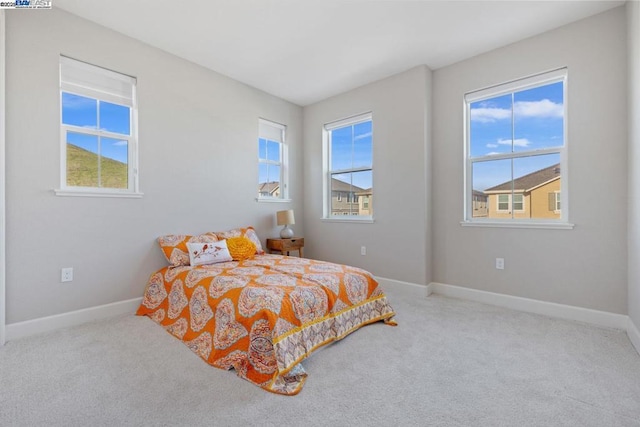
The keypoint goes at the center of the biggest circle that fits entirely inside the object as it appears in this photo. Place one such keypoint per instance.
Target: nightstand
(284, 246)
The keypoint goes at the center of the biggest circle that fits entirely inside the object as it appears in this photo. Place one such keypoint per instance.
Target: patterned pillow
(249, 233)
(208, 253)
(174, 246)
(241, 248)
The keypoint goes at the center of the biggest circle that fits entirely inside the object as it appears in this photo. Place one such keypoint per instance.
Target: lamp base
(286, 232)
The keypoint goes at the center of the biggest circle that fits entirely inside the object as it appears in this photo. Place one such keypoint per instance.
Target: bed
(262, 314)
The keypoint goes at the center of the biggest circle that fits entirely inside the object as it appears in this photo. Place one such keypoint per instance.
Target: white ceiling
(308, 50)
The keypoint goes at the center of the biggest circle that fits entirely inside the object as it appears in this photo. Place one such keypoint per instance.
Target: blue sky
(83, 112)
(352, 148)
(532, 120)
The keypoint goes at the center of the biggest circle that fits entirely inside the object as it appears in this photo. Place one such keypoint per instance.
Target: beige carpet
(448, 363)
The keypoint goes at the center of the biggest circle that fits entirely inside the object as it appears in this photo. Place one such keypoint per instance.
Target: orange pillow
(248, 232)
(241, 248)
(174, 247)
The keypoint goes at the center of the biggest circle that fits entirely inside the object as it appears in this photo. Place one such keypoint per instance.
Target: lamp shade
(285, 217)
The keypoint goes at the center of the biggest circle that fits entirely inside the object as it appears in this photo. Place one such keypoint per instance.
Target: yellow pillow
(241, 248)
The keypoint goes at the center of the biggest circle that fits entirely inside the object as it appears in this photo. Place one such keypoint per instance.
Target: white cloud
(521, 142)
(489, 115)
(120, 143)
(541, 109)
(492, 145)
(492, 153)
(364, 135)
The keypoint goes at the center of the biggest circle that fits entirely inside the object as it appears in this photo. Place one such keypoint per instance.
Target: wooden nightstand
(284, 246)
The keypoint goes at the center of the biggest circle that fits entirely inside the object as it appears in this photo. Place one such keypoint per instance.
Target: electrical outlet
(500, 263)
(363, 250)
(66, 274)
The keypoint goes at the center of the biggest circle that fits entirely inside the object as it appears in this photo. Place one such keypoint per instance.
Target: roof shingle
(529, 181)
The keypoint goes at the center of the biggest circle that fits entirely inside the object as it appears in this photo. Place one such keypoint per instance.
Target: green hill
(82, 170)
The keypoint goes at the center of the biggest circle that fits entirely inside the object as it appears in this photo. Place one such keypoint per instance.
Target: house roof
(268, 187)
(337, 185)
(530, 181)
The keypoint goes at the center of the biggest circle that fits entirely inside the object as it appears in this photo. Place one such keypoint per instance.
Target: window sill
(363, 220)
(272, 200)
(500, 224)
(95, 193)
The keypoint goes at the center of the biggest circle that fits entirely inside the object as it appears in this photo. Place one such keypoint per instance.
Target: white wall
(586, 266)
(398, 241)
(198, 142)
(633, 48)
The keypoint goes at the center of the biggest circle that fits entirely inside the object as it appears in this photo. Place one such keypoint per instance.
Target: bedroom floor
(448, 363)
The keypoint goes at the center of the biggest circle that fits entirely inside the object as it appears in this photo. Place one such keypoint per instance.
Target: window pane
(273, 151)
(113, 163)
(538, 179)
(518, 202)
(490, 126)
(362, 146)
(349, 191)
(262, 148)
(82, 160)
(263, 172)
(115, 118)
(268, 180)
(503, 202)
(491, 185)
(79, 111)
(274, 174)
(539, 117)
(341, 148)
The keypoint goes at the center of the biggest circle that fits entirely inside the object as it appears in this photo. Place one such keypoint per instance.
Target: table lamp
(285, 218)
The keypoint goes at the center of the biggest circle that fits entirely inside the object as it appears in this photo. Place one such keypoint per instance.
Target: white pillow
(208, 253)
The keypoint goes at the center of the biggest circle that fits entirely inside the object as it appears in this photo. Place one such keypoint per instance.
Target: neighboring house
(269, 189)
(480, 208)
(536, 195)
(365, 202)
(346, 200)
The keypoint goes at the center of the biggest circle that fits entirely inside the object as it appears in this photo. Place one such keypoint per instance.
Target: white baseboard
(562, 311)
(413, 288)
(72, 318)
(634, 334)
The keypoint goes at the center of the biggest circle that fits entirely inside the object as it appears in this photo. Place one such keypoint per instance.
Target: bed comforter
(263, 316)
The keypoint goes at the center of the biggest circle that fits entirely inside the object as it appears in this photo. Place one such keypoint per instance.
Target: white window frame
(91, 81)
(558, 202)
(327, 130)
(510, 202)
(498, 202)
(275, 132)
(537, 80)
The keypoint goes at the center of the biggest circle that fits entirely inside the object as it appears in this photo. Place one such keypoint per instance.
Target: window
(554, 203)
(515, 150)
(348, 147)
(505, 202)
(98, 131)
(272, 165)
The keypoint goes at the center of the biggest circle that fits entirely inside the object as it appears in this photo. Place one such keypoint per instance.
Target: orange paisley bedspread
(263, 316)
